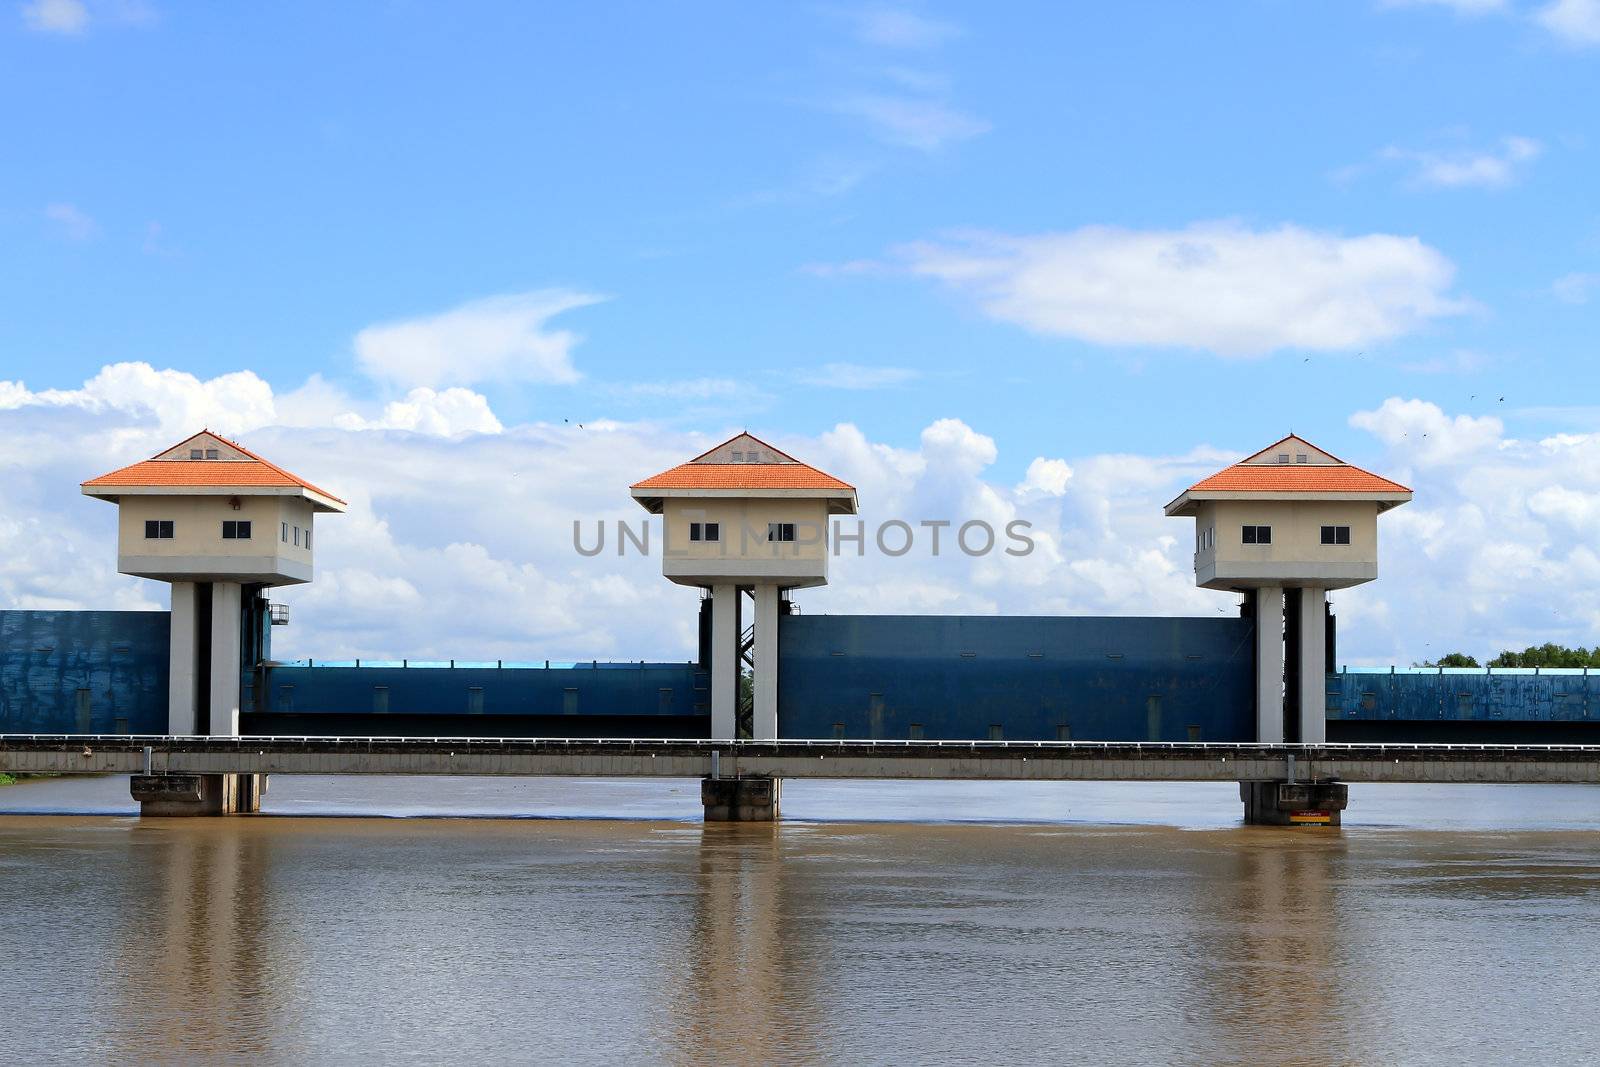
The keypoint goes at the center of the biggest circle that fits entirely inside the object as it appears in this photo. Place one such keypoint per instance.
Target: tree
(1549, 655)
(1452, 659)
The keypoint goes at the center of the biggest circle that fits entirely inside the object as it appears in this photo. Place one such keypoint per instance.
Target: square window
(738, 457)
(713, 531)
(1248, 534)
(212, 453)
(230, 529)
(1301, 457)
(195, 453)
(780, 531)
(1283, 457)
(1257, 535)
(243, 530)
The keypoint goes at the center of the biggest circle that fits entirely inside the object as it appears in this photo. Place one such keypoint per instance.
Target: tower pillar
(1269, 665)
(764, 723)
(1313, 666)
(724, 662)
(226, 621)
(183, 660)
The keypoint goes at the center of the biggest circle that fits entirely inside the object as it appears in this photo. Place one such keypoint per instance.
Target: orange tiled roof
(743, 476)
(155, 473)
(1295, 478)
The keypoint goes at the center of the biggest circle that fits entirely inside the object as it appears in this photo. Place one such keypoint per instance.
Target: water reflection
(196, 972)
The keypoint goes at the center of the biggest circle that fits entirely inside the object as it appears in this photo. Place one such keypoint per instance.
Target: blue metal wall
(55, 665)
(433, 689)
(1421, 694)
(1036, 678)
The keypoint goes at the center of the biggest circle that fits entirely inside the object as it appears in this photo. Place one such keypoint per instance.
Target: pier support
(764, 723)
(1283, 803)
(740, 799)
(1269, 665)
(165, 795)
(724, 662)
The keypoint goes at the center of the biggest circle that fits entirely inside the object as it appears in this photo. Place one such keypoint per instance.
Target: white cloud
(900, 28)
(500, 338)
(1460, 7)
(1575, 21)
(446, 413)
(1575, 288)
(75, 225)
(912, 122)
(687, 389)
(1495, 168)
(857, 376)
(1421, 431)
(56, 16)
(1496, 550)
(1217, 286)
(1046, 476)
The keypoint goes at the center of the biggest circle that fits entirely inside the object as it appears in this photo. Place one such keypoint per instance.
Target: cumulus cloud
(912, 122)
(1460, 7)
(1495, 551)
(1495, 168)
(56, 16)
(1217, 286)
(443, 413)
(899, 28)
(500, 338)
(71, 223)
(1426, 434)
(1576, 22)
(857, 376)
(1575, 288)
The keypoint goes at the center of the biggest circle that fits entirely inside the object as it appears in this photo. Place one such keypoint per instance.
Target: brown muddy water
(881, 923)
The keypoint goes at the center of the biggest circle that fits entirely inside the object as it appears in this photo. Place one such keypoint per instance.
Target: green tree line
(1545, 655)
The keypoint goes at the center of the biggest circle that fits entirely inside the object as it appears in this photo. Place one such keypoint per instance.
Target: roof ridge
(1292, 436)
(757, 440)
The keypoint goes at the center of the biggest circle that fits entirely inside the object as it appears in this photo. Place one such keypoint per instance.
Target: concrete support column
(1294, 803)
(183, 661)
(1313, 667)
(1269, 665)
(724, 662)
(764, 725)
(226, 600)
(740, 799)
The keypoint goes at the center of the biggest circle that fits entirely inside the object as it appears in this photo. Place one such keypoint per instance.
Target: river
(883, 923)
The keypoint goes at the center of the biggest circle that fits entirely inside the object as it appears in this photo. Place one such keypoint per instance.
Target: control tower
(745, 517)
(219, 524)
(1283, 527)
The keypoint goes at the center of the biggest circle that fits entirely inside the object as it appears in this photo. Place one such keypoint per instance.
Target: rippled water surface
(1083, 923)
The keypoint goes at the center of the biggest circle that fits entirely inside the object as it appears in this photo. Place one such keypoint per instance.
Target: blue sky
(244, 186)
(889, 235)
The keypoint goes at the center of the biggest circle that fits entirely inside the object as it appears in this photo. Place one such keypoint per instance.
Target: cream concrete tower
(745, 516)
(218, 523)
(1284, 526)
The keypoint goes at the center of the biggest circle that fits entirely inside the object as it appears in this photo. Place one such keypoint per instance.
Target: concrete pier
(166, 795)
(740, 799)
(1283, 803)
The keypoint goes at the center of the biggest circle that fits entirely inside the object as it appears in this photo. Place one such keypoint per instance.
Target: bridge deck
(608, 758)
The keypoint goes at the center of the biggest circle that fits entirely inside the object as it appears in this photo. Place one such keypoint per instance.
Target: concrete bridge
(1279, 783)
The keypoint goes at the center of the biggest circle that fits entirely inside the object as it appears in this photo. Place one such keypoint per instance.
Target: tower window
(297, 537)
(1301, 457)
(212, 453)
(1257, 535)
(236, 530)
(308, 538)
(195, 453)
(780, 531)
(738, 457)
(158, 529)
(1336, 535)
(285, 533)
(1283, 457)
(705, 531)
